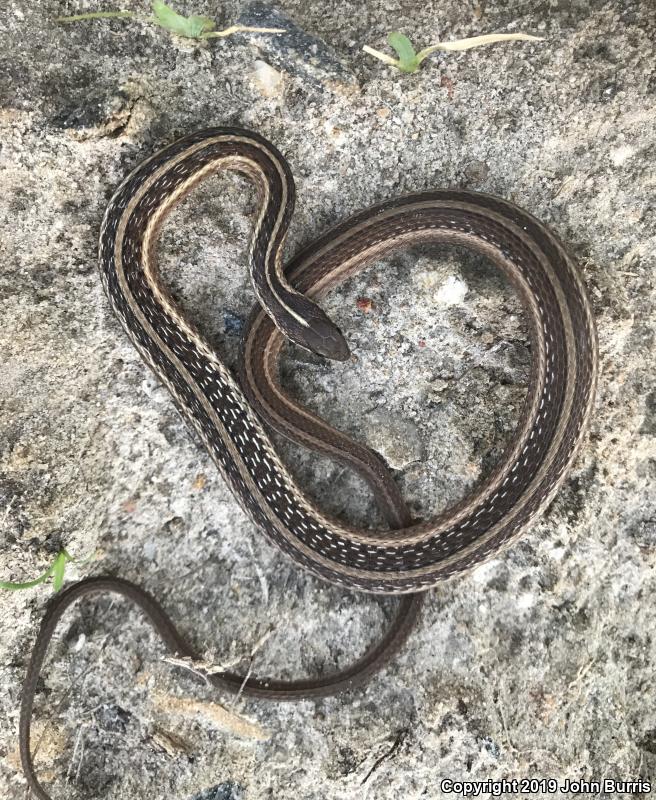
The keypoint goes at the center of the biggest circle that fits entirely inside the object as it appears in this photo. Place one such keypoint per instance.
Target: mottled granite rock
(224, 791)
(295, 51)
(538, 664)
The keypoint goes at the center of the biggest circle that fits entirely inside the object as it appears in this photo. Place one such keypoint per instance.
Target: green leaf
(190, 27)
(409, 60)
(15, 587)
(58, 571)
(199, 26)
(194, 27)
(406, 52)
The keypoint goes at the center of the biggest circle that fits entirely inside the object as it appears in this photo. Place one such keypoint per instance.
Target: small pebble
(233, 324)
(452, 292)
(268, 80)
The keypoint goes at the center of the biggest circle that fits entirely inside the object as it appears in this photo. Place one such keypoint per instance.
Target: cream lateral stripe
(152, 279)
(150, 275)
(571, 356)
(421, 529)
(165, 208)
(253, 169)
(375, 539)
(383, 213)
(346, 270)
(567, 402)
(200, 395)
(410, 544)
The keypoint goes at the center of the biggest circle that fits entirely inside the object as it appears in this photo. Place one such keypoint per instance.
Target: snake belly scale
(418, 556)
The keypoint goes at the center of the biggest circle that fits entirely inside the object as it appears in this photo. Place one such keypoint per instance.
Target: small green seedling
(409, 60)
(193, 27)
(56, 569)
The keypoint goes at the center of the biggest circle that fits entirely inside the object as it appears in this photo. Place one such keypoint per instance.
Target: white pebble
(452, 291)
(267, 79)
(621, 154)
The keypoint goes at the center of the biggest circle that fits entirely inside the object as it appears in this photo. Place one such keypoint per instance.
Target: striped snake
(230, 416)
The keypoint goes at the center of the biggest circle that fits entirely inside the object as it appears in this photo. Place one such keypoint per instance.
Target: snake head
(320, 335)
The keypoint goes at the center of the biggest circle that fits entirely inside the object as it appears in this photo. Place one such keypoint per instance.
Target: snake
(234, 415)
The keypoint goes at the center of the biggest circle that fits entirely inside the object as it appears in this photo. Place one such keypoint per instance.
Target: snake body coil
(417, 557)
(412, 557)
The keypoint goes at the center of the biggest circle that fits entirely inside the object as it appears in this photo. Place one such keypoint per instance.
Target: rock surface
(538, 664)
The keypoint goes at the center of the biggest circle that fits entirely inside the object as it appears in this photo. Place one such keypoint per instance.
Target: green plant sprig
(192, 27)
(56, 569)
(409, 60)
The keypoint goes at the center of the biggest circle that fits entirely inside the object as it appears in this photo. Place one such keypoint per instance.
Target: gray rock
(224, 791)
(296, 51)
(539, 663)
(395, 437)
